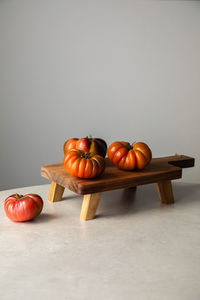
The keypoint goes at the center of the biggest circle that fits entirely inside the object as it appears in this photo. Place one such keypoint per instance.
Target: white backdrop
(120, 70)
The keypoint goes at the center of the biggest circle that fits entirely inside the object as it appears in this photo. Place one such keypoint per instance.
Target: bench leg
(56, 192)
(89, 206)
(165, 191)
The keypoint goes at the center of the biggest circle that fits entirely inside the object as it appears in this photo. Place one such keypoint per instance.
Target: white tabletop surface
(136, 248)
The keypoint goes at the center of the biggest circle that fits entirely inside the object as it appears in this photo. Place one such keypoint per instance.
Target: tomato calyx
(130, 146)
(87, 155)
(17, 196)
(89, 137)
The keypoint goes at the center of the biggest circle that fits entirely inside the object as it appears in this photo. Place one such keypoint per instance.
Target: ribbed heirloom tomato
(129, 157)
(82, 164)
(87, 144)
(21, 208)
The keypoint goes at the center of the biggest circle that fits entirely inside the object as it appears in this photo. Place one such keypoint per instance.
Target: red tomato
(83, 165)
(21, 208)
(129, 157)
(90, 145)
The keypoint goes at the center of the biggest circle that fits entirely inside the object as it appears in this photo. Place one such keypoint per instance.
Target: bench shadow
(145, 198)
(71, 197)
(123, 203)
(186, 193)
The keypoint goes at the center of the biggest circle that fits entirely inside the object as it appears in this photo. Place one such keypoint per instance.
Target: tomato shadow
(45, 217)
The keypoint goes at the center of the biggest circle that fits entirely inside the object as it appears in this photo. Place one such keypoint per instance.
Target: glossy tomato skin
(70, 144)
(21, 208)
(127, 157)
(83, 165)
(39, 202)
(143, 154)
(90, 145)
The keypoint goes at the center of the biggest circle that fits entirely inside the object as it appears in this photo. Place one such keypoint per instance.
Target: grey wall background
(116, 69)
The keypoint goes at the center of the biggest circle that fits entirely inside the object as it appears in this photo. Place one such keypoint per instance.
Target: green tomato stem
(17, 197)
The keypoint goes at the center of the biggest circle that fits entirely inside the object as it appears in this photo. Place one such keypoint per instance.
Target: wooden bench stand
(160, 171)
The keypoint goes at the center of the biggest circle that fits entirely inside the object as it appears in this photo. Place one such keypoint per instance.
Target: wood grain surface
(164, 168)
(89, 206)
(165, 191)
(56, 192)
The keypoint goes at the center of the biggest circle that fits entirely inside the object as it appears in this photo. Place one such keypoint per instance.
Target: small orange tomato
(82, 164)
(129, 157)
